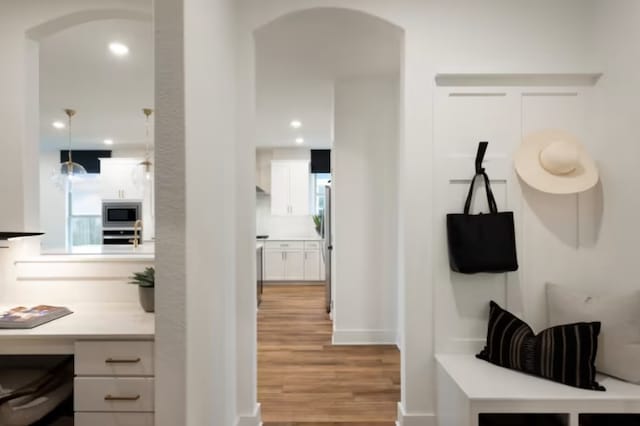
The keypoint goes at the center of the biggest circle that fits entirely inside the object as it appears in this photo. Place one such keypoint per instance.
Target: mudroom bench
(472, 392)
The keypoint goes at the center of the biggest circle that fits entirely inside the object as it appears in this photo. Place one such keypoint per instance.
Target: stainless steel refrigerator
(328, 245)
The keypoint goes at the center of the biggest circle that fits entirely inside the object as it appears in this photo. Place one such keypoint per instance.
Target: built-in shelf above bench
(517, 79)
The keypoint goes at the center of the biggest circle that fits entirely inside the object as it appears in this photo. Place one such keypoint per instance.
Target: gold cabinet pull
(121, 398)
(122, 361)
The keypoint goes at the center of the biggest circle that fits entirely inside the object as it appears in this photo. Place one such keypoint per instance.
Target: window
(319, 181)
(85, 215)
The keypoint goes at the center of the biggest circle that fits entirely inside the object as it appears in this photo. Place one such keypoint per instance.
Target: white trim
(253, 420)
(517, 79)
(414, 419)
(365, 337)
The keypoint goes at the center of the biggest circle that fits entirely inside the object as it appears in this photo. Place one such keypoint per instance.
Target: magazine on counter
(22, 317)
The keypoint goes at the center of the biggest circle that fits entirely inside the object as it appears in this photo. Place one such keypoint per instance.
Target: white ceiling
(299, 57)
(78, 71)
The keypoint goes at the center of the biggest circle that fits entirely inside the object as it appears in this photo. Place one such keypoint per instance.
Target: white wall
(206, 314)
(364, 193)
(444, 36)
(53, 205)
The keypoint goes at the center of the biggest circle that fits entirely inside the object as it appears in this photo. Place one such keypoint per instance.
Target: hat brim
(527, 164)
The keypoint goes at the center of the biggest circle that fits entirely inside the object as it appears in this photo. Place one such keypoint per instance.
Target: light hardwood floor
(304, 380)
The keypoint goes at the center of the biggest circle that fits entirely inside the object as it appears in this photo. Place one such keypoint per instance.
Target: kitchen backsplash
(281, 226)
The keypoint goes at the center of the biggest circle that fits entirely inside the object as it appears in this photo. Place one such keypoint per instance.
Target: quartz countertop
(284, 238)
(92, 321)
(147, 248)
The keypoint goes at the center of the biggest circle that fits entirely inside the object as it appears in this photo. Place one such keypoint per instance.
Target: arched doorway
(337, 72)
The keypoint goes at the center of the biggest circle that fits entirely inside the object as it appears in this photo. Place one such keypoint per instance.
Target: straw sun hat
(553, 161)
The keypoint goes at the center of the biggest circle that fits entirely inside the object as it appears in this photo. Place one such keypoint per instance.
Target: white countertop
(145, 248)
(279, 238)
(92, 253)
(104, 321)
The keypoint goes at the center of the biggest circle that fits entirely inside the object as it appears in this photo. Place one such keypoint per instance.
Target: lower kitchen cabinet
(283, 265)
(312, 265)
(292, 261)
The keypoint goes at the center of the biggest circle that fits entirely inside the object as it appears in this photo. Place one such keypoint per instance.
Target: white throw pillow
(619, 341)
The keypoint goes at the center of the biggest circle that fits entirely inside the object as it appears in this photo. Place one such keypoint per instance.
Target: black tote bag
(481, 242)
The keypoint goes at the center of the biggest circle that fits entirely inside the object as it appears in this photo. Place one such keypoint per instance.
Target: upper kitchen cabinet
(117, 179)
(290, 187)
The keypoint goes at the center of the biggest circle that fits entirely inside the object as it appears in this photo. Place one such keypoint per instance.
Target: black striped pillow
(565, 354)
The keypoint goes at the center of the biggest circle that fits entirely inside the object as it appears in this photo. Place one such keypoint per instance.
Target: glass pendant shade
(69, 168)
(143, 174)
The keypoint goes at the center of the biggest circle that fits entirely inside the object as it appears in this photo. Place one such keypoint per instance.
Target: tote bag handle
(493, 207)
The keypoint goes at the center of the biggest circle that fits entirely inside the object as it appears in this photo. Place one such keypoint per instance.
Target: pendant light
(69, 168)
(146, 164)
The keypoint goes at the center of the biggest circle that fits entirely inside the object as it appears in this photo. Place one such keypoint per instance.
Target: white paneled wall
(548, 227)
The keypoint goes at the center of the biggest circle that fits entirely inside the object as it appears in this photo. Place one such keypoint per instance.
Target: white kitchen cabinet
(283, 265)
(292, 261)
(274, 265)
(312, 265)
(299, 188)
(116, 179)
(289, 187)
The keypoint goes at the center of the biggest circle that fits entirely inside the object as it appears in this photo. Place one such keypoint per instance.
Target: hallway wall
(364, 192)
(459, 36)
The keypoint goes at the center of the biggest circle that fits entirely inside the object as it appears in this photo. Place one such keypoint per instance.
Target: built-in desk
(113, 348)
(110, 321)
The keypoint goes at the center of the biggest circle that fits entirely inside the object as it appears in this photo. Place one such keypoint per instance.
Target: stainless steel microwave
(121, 214)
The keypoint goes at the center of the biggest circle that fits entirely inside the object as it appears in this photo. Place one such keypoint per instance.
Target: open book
(21, 317)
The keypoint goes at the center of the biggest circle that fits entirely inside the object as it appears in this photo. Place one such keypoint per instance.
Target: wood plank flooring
(304, 380)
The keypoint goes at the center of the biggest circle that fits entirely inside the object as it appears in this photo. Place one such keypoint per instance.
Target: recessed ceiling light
(58, 124)
(299, 141)
(108, 141)
(118, 49)
(296, 124)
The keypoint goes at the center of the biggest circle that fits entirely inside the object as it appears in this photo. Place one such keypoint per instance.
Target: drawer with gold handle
(118, 394)
(114, 358)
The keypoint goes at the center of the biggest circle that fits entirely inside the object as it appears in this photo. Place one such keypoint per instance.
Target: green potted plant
(146, 287)
(317, 220)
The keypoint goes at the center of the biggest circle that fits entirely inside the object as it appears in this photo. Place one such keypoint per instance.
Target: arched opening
(70, 66)
(328, 79)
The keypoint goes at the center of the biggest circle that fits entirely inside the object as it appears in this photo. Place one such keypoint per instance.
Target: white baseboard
(364, 337)
(414, 419)
(254, 419)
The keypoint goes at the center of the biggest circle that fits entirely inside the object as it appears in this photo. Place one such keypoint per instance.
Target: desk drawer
(122, 358)
(113, 419)
(122, 394)
(284, 245)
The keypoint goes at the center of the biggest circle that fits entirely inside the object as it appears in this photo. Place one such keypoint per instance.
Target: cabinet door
(109, 180)
(117, 181)
(274, 265)
(299, 188)
(294, 265)
(312, 265)
(279, 188)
